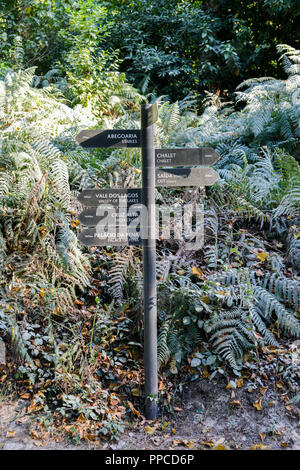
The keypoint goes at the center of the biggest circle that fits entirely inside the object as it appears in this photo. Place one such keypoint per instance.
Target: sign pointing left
(109, 138)
(95, 197)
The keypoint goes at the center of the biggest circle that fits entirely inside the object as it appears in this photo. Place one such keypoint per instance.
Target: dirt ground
(207, 417)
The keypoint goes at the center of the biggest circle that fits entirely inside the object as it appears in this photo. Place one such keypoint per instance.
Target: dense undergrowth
(165, 47)
(72, 316)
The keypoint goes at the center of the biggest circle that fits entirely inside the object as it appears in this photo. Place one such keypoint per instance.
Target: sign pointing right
(172, 177)
(203, 156)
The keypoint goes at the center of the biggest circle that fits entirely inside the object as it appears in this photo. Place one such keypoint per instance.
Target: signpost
(149, 264)
(109, 138)
(186, 157)
(94, 197)
(172, 177)
(92, 216)
(91, 237)
(111, 213)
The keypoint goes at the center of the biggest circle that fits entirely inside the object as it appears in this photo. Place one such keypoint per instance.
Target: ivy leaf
(195, 362)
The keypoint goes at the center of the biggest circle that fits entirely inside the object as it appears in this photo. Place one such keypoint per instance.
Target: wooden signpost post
(110, 212)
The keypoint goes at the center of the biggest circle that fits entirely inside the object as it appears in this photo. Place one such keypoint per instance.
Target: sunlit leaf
(257, 404)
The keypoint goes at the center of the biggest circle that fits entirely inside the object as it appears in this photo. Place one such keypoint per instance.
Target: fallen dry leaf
(176, 408)
(231, 385)
(163, 426)
(156, 441)
(35, 434)
(220, 447)
(239, 383)
(150, 430)
(259, 447)
(236, 403)
(257, 404)
(197, 272)
(133, 409)
(81, 418)
(39, 443)
(25, 395)
(190, 444)
(262, 256)
(208, 443)
(75, 223)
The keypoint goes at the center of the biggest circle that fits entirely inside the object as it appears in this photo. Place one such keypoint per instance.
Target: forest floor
(209, 416)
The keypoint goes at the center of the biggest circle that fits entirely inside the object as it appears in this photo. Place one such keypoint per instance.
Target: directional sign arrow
(95, 197)
(194, 156)
(92, 216)
(109, 138)
(91, 237)
(201, 177)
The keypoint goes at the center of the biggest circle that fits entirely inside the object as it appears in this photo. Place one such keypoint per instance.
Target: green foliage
(62, 42)
(43, 268)
(35, 190)
(179, 320)
(35, 202)
(170, 47)
(34, 26)
(259, 181)
(234, 310)
(177, 46)
(74, 331)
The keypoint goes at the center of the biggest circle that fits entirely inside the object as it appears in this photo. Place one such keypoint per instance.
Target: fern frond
(117, 274)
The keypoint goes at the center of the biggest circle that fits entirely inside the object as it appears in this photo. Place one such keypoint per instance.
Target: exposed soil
(212, 417)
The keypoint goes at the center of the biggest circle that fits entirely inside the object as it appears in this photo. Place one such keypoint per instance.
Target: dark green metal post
(149, 265)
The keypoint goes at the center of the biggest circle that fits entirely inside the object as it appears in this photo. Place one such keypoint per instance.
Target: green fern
(230, 334)
(117, 274)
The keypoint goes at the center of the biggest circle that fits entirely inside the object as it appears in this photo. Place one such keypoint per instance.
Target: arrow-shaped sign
(93, 215)
(109, 138)
(92, 237)
(95, 197)
(203, 156)
(201, 177)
